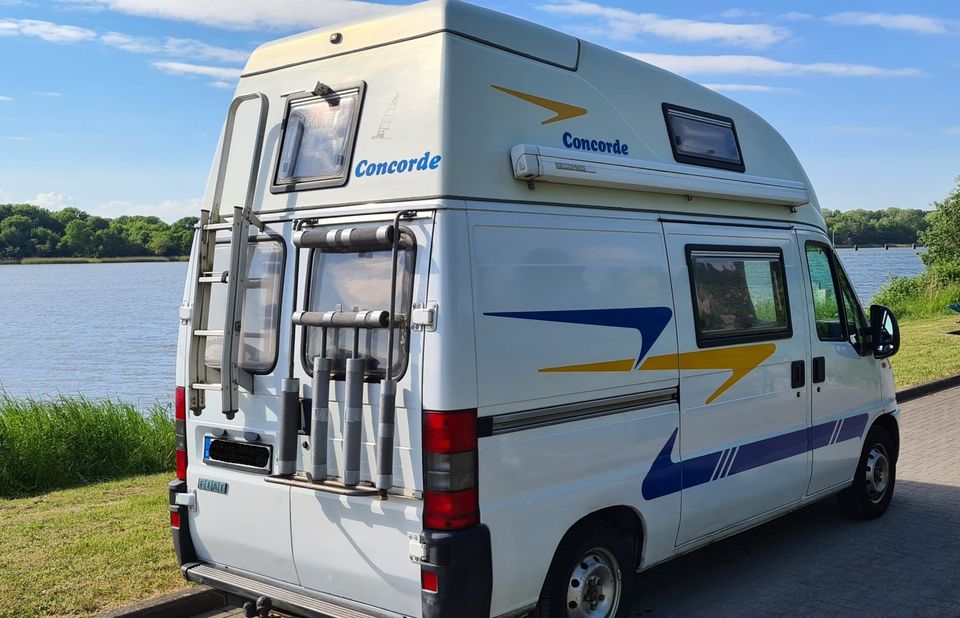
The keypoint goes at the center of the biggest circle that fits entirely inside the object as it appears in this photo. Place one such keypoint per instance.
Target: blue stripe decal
(650, 321)
(666, 476)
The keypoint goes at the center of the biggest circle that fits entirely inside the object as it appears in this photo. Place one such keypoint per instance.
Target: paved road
(817, 562)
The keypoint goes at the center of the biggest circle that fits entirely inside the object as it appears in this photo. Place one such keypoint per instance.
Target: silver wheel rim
(593, 588)
(877, 473)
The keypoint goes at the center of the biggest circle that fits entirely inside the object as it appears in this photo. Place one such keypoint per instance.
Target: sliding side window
(738, 296)
(826, 301)
(260, 322)
(360, 281)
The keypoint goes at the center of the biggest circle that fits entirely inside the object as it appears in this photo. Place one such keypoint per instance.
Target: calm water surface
(110, 330)
(101, 330)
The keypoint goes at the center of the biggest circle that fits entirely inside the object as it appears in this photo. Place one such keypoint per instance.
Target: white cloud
(46, 30)
(175, 47)
(747, 88)
(795, 16)
(18, 138)
(48, 94)
(740, 14)
(922, 24)
(2, 98)
(241, 14)
(52, 200)
(760, 65)
(953, 131)
(860, 130)
(223, 85)
(168, 210)
(621, 24)
(185, 68)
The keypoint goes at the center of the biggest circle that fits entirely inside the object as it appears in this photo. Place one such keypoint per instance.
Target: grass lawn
(927, 351)
(79, 551)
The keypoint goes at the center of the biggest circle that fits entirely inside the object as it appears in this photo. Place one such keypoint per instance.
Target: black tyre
(872, 489)
(591, 575)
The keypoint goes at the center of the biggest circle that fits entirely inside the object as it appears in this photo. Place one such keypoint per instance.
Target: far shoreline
(93, 260)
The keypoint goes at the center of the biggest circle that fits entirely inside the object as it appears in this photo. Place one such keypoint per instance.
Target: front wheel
(591, 575)
(872, 489)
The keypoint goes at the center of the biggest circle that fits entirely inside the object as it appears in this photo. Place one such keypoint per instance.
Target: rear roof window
(317, 142)
(701, 138)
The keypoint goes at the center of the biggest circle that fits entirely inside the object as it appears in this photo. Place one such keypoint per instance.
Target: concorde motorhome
(482, 319)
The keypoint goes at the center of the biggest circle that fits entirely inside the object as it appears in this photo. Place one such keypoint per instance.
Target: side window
(260, 322)
(826, 304)
(855, 321)
(738, 296)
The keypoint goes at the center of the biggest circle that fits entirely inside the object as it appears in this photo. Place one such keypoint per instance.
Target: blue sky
(115, 106)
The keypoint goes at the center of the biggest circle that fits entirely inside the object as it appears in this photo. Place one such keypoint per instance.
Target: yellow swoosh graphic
(740, 360)
(563, 111)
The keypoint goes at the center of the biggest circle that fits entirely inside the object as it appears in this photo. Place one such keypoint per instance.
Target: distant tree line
(29, 231)
(876, 227)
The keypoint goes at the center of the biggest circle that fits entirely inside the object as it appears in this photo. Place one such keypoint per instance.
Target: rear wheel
(872, 489)
(591, 575)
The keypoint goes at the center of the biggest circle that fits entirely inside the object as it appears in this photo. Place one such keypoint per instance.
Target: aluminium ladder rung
(214, 277)
(208, 333)
(210, 227)
(206, 387)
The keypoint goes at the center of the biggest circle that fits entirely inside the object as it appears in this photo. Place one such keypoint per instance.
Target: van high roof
(457, 101)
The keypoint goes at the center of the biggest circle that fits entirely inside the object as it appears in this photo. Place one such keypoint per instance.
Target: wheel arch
(889, 423)
(622, 517)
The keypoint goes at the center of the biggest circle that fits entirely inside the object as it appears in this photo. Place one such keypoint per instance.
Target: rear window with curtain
(260, 322)
(738, 296)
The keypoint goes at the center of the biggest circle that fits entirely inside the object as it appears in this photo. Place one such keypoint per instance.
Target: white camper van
(482, 319)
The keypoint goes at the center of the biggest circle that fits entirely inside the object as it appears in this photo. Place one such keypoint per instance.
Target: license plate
(218, 487)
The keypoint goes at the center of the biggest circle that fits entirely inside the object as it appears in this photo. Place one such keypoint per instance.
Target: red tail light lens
(451, 499)
(175, 519)
(180, 419)
(429, 581)
(180, 404)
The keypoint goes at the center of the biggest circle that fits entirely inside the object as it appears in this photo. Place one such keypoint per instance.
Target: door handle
(797, 378)
(819, 369)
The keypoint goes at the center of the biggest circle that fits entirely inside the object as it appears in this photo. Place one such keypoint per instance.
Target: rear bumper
(282, 596)
(182, 543)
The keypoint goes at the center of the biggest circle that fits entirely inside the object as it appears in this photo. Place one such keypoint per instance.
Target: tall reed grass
(66, 441)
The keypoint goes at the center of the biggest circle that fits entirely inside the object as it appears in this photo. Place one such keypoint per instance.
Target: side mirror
(884, 332)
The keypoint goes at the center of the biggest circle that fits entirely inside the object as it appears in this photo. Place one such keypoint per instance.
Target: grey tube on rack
(352, 425)
(289, 420)
(319, 419)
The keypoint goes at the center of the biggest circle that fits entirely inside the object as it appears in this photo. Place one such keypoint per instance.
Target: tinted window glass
(826, 306)
(856, 323)
(359, 282)
(739, 296)
(703, 139)
(261, 306)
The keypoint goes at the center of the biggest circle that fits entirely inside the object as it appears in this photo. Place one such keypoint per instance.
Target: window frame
(702, 160)
(835, 268)
(305, 363)
(319, 182)
(278, 315)
(734, 251)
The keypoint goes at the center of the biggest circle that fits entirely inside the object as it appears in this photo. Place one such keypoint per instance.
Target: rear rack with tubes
(385, 237)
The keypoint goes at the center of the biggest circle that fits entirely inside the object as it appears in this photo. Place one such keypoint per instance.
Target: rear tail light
(429, 581)
(175, 518)
(180, 418)
(451, 501)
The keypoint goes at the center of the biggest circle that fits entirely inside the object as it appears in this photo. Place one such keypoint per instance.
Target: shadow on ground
(816, 562)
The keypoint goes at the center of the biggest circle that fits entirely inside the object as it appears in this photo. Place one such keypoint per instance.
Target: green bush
(63, 442)
(924, 295)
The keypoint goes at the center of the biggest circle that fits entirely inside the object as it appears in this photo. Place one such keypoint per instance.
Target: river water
(110, 330)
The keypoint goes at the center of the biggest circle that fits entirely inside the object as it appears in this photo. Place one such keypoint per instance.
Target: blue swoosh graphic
(650, 321)
(666, 476)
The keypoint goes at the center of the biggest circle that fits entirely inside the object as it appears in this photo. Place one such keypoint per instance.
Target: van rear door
(241, 521)
(357, 546)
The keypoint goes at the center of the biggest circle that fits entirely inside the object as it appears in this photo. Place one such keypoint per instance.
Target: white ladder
(231, 376)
